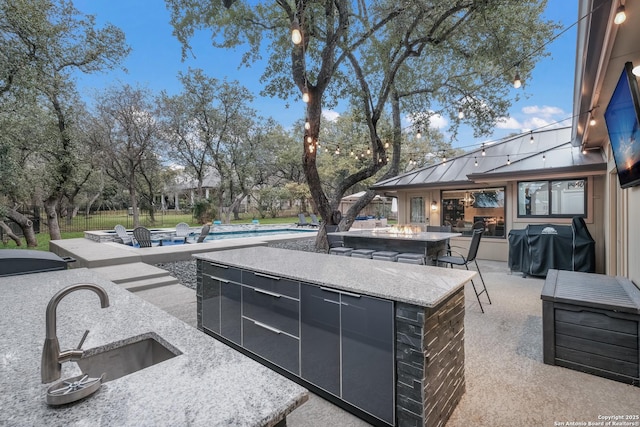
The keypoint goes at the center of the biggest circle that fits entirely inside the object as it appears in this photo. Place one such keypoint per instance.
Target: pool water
(220, 235)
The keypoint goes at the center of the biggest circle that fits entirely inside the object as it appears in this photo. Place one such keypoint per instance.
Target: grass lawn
(43, 238)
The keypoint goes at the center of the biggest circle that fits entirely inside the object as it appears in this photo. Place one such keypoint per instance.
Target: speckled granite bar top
(209, 384)
(420, 285)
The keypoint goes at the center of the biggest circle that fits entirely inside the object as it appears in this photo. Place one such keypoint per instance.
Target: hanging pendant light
(531, 140)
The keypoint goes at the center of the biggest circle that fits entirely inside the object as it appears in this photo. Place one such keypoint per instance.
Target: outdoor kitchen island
(381, 339)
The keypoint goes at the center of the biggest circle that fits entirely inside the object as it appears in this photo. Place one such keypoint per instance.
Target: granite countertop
(386, 233)
(209, 384)
(419, 285)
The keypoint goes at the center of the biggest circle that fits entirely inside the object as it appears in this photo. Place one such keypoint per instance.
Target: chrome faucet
(52, 357)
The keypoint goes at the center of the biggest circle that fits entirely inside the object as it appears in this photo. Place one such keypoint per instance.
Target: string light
(305, 94)
(460, 113)
(296, 34)
(621, 16)
(307, 125)
(516, 81)
(531, 140)
(483, 152)
(419, 134)
(475, 162)
(508, 160)
(544, 157)
(309, 139)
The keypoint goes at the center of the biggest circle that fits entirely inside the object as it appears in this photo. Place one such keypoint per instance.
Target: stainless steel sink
(126, 358)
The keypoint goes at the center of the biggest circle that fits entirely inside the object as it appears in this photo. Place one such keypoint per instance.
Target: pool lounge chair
(314, 221)
(122, 234)
(302, 221)
(204, 232)
(142, 236)
(182, 230)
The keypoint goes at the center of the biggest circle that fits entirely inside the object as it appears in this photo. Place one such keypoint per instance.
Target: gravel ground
(185, 271)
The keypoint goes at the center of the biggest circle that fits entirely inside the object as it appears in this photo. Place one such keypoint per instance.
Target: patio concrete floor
(507, 384)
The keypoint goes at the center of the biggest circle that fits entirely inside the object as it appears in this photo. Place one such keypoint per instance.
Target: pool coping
(91, 254)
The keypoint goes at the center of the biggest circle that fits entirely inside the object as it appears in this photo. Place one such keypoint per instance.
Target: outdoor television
(623, 123)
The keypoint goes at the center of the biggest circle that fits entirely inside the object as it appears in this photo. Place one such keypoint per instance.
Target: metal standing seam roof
(525, 158)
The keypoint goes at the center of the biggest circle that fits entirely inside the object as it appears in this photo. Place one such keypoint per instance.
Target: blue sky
(155, 61)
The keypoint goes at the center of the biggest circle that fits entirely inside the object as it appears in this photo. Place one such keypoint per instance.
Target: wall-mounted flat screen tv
(623, 123)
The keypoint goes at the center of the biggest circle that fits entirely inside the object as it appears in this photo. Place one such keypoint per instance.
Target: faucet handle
(84, 337)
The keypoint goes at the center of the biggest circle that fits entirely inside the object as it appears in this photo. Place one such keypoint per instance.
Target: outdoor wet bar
(382, 340)
(400, 239)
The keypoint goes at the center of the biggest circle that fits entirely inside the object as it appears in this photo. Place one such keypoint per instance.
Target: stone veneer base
(429, 362)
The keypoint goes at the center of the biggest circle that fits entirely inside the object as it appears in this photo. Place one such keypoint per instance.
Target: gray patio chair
(122, 234)
(182, 229)
(314, 221)
(204, 232)
(142, 236)
(302, 221)
(471, 256)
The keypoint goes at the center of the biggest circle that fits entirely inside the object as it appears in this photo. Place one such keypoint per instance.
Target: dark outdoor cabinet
(231, 312)
(591, 323)
(347, 348)
(320, 338)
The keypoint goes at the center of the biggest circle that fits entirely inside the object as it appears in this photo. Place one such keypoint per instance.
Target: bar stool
(385, 255)
(411, 258)
(362, 253)
(341, 251)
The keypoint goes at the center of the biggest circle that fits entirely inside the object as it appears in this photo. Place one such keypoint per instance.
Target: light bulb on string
(307, 125)
(296, 33)
(309, 139)
(419, 134)
(621, 16)
(483, 152)
(544, 157)
(508, 160)
(460, 113)
(305, 95)
(531, 140)
(516, 81)
(476, 161)
(368, 151)
(386, 145)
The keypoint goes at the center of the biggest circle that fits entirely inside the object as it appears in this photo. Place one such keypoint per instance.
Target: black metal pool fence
(97, 220)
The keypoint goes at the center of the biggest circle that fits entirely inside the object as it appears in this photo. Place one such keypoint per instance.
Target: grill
(23, 261)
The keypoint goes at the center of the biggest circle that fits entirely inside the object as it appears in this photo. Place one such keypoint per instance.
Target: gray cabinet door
(231, 311)
(210, 303)
(367, 339)
(320, 338)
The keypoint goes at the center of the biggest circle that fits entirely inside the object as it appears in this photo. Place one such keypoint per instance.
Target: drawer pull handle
(266, 276)
(267, 327)
(331, 301)
(219, 279)
(271, 294)
(336, 291)
(218, 265)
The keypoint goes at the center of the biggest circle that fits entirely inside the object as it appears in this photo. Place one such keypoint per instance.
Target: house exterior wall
(497, 249)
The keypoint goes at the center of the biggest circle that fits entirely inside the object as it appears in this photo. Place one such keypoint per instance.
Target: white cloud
(508, 123)
(330, 115)
(544, 111)
(438, 122)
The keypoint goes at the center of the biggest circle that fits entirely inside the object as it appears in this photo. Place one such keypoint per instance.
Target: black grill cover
(539, 248)
(23, 261)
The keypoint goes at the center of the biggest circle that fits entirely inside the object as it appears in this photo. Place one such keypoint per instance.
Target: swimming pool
(169, 238)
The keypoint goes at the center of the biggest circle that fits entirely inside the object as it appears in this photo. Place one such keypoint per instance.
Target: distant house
(531, 178)
(379, 206)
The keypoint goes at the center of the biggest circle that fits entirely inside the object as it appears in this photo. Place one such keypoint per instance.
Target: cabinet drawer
(271, 344)
(272, 309)
(222, 271)
(290, 288)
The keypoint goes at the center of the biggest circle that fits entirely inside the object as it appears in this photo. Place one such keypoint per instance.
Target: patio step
(137, 276)
(131, 272)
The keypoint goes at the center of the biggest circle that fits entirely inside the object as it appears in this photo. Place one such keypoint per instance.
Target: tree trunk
(9, 233)
(134, 203)
(26, 225)
(50, 206)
